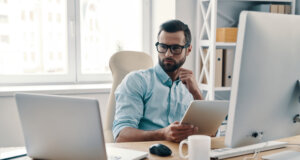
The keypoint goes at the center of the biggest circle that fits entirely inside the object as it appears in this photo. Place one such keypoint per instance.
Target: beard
(170, 67)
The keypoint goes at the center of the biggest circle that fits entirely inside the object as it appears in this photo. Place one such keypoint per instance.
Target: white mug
(198, 147)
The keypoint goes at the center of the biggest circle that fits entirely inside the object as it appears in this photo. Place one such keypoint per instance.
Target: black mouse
(160, 150)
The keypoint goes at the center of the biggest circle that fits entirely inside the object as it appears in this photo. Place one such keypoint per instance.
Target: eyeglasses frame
(169, 47)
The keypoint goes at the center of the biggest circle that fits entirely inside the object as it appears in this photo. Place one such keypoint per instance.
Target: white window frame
(74, 75)
(85, 78)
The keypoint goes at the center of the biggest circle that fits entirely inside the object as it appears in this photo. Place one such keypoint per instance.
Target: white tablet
(206, 115)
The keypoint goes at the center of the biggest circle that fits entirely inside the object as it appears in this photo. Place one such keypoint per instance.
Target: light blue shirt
(149, 100)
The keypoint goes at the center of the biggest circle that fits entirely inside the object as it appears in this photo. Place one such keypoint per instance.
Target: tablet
(206, 115)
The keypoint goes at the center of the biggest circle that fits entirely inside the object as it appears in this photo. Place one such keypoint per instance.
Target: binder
(228, 62)
(287, 9)
(218, 69)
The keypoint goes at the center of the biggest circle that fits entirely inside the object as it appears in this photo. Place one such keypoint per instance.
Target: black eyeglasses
(175, 49)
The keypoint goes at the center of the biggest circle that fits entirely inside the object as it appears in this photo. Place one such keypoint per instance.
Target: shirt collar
(163, 76)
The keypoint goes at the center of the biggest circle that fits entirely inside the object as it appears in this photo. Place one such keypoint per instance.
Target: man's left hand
(188, 79)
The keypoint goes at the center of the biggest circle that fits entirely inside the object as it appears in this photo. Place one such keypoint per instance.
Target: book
(274, 8)
(287, 9)
(280, 9)
(228, 61)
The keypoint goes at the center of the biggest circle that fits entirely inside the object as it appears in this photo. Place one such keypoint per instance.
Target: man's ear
(188, 50)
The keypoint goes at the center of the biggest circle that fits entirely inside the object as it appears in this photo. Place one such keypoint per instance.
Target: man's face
(168, 61)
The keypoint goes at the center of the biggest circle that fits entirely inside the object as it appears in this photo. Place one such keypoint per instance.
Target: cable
(253, 157)
(258, 135)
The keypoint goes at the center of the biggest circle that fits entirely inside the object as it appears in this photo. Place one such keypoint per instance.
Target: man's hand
(188, 79)
(177, 132)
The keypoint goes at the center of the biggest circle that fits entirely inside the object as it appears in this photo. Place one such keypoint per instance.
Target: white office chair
(121, 63)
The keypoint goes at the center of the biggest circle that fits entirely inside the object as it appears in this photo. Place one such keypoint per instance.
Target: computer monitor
(265, 93)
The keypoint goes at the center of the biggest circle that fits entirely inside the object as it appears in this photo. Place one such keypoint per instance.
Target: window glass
(108, 26)
(33, 37)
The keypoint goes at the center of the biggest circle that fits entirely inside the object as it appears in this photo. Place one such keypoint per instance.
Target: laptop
(206, 115)
(59, 127)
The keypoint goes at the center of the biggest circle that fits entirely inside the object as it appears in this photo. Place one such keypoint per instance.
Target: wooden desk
(216, 143)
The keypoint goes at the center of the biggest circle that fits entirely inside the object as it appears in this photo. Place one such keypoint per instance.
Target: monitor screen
(265, 94)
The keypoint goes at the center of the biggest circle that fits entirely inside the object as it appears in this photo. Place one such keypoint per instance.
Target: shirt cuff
(117, 129)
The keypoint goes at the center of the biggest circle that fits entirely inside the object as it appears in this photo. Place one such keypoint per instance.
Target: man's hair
(172, 26)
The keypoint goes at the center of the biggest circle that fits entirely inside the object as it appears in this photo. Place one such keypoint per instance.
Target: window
(29, 44)
(67, 41)
(105, 29)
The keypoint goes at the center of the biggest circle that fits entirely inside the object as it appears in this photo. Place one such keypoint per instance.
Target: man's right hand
(177, 132)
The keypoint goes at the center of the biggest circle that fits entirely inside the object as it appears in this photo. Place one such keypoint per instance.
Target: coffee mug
(198, 147)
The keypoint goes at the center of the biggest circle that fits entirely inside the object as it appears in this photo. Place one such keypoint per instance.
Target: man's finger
(176, 122)
(183, 136)
(183, 131)
(184, 127)
(184, 77)
(185, 73)
(185, 70)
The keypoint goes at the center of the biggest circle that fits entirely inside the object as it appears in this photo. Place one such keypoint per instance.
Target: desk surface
(216, 143)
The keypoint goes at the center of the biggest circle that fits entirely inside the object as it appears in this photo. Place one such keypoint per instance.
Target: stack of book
(273, 8)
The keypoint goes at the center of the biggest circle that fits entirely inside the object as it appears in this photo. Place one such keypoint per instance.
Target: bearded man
(150, 103)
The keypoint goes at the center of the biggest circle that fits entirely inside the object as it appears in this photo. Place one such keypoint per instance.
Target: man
(150, 103)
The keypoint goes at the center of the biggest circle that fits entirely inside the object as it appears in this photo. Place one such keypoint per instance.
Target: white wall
(186, 12)
(10, 128)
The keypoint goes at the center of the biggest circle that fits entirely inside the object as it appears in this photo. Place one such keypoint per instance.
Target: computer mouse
(160, 150)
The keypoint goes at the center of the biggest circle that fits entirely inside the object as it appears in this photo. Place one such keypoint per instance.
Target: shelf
(206, 88)
(205, 43)
(254, 0)
(210, 13)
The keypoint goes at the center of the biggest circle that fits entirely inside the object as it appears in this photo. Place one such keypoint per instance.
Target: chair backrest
(121, 63)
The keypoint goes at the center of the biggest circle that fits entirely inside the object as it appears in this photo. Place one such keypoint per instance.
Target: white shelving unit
(207, 39)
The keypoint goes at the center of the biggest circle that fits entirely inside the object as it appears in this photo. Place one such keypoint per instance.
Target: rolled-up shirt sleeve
(129, 103)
